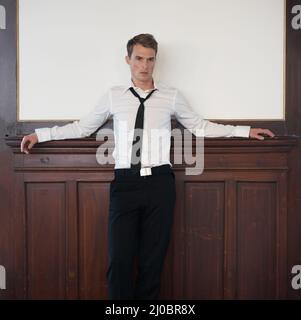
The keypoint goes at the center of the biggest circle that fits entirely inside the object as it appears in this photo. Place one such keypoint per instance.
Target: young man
(142, 195)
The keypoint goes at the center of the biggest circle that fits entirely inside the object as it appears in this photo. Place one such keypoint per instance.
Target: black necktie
(137, 140)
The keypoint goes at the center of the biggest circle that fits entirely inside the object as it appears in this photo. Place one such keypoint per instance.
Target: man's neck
(144, 85)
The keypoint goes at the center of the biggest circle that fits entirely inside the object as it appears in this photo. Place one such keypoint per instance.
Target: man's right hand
(28, 142)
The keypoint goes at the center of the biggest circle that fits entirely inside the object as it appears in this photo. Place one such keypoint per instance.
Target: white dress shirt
(122, 105)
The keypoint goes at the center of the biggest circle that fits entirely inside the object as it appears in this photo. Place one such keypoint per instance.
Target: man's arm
(192, 121)
(76, 129)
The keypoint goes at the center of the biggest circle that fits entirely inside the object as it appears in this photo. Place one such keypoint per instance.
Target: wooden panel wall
(228, 238)
(293, 123)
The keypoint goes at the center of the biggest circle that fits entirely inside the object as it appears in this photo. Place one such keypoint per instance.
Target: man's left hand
(258, 132)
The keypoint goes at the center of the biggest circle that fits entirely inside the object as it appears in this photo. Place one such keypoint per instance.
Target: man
(142, 195)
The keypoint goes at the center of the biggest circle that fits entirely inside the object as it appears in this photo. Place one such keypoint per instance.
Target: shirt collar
(131, 84)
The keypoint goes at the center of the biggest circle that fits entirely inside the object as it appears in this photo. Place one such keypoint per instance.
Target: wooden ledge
(212, 145)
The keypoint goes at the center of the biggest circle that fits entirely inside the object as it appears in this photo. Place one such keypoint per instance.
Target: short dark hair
(145, 39)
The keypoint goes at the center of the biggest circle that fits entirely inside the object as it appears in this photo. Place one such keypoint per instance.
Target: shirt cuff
(43, 134)
(242, 131)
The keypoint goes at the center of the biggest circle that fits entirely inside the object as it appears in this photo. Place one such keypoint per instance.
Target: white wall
(226, 56)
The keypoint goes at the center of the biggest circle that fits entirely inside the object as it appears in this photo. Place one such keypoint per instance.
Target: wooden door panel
(204, 232)
(45, 226)
(93, 220)
(256, 240)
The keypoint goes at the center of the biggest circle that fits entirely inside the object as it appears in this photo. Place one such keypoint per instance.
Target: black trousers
(140, 221)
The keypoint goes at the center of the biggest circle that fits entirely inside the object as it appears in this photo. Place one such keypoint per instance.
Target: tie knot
(142, 100)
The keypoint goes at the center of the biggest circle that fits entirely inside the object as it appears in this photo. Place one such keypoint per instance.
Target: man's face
(142, 63)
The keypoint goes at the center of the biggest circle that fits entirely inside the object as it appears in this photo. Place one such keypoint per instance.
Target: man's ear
(127, 60)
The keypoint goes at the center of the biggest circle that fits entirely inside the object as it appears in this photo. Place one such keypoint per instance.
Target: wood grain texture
(229, 232)
(293, 116)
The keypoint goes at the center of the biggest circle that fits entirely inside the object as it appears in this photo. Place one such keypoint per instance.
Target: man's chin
(146, 78)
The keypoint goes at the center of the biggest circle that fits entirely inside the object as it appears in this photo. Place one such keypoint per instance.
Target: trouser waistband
(165, 168)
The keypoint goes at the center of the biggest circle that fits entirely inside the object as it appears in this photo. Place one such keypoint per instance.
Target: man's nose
(145, 64)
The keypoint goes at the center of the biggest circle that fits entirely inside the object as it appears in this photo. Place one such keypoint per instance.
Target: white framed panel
(226, 56)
